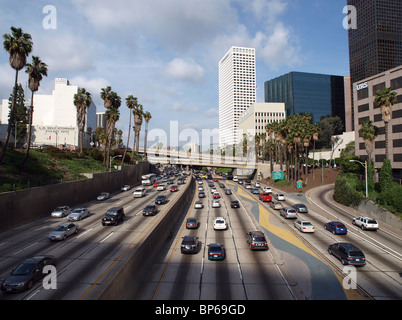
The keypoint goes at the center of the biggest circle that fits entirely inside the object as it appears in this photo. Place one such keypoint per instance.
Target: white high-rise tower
(237, 91)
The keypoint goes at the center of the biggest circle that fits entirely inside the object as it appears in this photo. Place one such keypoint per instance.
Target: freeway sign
(277, 175)
(299, 184)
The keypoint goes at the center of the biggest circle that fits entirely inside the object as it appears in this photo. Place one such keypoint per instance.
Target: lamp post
(365, 168)
(111, 159)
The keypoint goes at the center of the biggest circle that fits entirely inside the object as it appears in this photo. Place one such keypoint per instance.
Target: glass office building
(318, 94)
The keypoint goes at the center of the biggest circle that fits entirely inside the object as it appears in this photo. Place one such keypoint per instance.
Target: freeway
(297, 266)
(85, 259)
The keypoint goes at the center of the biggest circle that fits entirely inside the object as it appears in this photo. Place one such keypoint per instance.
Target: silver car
(78, 214)
(103, 196)
(61, 212)
(63, 231)
(288, 213)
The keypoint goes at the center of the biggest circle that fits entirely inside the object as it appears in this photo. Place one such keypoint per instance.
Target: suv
(347, 253)
(366, 223)
(113, 216)
(189, 244)
(161, 199)
(256, 240)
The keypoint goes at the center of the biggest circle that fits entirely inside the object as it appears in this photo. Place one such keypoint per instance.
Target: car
(276, 205)
(211, 184)
(366, 223)
(139, 192)
(248, 186)
(267, 189)
(213, 190)
(198, 205)
(234, 204)
(216, 195)
(220, 223)
(201, 194)
(215, 179)
(24, 275)
(200, 188)
(304, 226)
(288, 213)
(279, 197)
(300, 208)
(61, 212)
(126, 187)
(257, 185)
(265, 197)
(191, 223)
(336, 227)
(78, 214)
(347, 253)
(155, 185)
(189, 244)
(216, 203)
(256, 240)
(160, 199)
(255, 191)
(170, 181)
(103, 196)
(221, 185)
(173, 189)
(63, 231)
(216, 251)
(113, 216)
(228, 191)
(161, 187)
(149, 210)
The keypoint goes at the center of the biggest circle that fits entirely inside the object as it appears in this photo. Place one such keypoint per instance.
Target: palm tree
(368, 132)
(19, 46)
(36, 70)
(138, 112)
(147, 118)
(82, 101)
(385, 99)
(131, 102)
(316, 130)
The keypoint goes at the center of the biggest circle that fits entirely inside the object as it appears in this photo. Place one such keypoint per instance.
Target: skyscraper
(237, 91)
(375, 45)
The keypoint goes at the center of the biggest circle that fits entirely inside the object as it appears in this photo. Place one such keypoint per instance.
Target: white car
(257, 185)
(140, 192)
(161, 187)
(216, 204)
(280, 197)
(304, 226)
(198, 205)
(248, 186)
(103, 196)
(126, 187)
(267, 190)
(213, 190)
(366, 223)
(220, 223)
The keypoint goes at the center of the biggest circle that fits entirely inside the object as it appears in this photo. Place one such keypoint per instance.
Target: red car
(156, 184)
(266, 197)
(215, 179)
(173, 189)
(216, 195)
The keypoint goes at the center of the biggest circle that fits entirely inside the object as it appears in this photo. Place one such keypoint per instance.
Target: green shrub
(386, 176)
(345, 190)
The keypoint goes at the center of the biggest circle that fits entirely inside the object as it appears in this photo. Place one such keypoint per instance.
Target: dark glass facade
(376, 44)
(318, 94)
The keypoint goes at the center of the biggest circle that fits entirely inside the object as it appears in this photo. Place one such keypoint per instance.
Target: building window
(398, 157)
(364, 107)
(362, 94)
(378, 87)
(396, 83)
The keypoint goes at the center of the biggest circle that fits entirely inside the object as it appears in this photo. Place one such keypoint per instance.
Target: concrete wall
(370, 209)
(24, 206)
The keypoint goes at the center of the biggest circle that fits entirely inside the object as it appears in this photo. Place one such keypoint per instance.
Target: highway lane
(83, 258)
(242, 275)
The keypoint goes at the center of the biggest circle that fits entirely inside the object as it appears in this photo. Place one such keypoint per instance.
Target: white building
(55, 117)
(237, 91)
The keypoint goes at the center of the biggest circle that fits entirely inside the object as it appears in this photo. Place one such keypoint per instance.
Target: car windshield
(77, 211)
(372, 222)
(356, 253)
(24, 269)
(59, 209)
(259, 239)
(188, 242)
(112, 213)
(340, 225)
(219, 221)
(306, 223)
(61, 228)
(215, 249)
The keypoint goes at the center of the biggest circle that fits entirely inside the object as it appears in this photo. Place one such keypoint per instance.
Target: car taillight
(349, 258)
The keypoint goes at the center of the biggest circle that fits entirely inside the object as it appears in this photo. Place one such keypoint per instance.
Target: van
(347, 253)
(139, 192)
(235, 179)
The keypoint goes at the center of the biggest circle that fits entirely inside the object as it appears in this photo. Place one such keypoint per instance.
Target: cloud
(185, 70)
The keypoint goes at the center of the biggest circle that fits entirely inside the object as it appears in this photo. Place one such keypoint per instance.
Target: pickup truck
(265, 197)
(366, 223)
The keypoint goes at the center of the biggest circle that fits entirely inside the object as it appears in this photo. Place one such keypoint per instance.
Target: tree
(82, 101)
(147, 118)
(19, 45)
(19, 118)
(385, 99)
(131, 103)
(36, 70)
(386, 176)
(368, 132)
(138, 112)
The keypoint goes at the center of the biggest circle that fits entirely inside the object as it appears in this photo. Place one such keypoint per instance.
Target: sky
(166, 52)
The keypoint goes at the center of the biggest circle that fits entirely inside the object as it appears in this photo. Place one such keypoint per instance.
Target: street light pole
(365, 169)
(111, 159)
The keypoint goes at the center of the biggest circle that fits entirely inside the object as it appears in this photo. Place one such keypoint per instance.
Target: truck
(265, 197)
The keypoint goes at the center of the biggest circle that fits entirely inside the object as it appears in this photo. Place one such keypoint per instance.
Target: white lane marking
(84, 233)
(25, 248)
(108, 236)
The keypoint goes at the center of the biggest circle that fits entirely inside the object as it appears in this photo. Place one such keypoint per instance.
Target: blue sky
(166, 52)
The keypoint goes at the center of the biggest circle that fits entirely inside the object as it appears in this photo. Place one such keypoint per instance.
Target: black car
(149, 210)
(234, 204)
(300, 207)
(228, 191)
(347, 253)
(27, 273)
(161, 199)
(189, 244)
(201, 194)
(216, 251)
(113, 216)
(256, 240)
